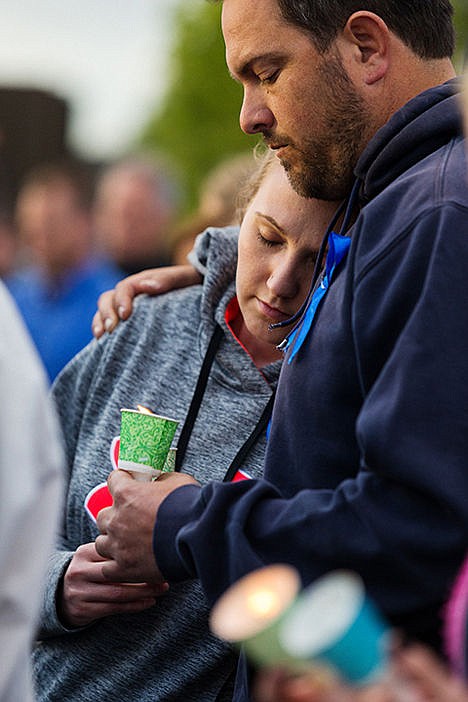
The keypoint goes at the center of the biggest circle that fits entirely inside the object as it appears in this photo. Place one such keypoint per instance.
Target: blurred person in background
(217, 207)
(134, 209)
(218, 197)
(31, 465)
(57, 285)
(8, 243)
(8, 237)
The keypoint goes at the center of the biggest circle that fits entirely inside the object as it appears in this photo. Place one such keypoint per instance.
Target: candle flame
(264, 603)
(144, 410)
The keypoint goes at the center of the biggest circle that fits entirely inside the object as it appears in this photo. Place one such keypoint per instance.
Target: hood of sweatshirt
(424, 124)
(233, 365)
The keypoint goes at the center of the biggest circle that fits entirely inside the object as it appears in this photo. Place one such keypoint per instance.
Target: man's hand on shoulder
(117, 304)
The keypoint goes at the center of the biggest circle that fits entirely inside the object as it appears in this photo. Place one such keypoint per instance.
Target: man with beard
(366, 461)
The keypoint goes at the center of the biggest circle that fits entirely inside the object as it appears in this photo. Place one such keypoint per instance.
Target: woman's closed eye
(266, 241)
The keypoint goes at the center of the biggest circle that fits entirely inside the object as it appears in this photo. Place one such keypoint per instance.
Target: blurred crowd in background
(70, 229)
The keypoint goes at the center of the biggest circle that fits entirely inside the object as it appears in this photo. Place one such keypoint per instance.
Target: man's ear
(370, 37)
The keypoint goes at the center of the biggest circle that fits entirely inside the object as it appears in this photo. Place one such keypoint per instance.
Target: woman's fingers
(86, 595)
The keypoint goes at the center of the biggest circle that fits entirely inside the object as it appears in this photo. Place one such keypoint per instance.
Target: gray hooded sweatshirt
(165, 652)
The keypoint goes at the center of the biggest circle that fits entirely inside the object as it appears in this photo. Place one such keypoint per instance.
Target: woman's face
(278, 242)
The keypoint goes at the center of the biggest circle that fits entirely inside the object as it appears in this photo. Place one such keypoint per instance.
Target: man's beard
(324, 169)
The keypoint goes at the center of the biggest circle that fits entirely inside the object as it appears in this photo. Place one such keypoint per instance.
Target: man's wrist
(179, 508)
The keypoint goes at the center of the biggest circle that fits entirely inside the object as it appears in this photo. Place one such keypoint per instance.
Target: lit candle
(144, 410)
(329, 629)
(264, 604)
(145, 441)
(250, 611)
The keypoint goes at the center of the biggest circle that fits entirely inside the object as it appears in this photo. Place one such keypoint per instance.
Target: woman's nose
(255, 115)
(283, 282)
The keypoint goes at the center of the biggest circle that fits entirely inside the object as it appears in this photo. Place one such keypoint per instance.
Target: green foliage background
(197, 125)
(461, 25)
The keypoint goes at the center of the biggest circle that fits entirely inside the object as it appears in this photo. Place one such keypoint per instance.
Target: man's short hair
(425, 26)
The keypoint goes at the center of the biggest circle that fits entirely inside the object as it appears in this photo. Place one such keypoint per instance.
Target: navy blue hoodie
(367, 460)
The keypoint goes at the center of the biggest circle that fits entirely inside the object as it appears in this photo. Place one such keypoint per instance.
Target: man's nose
(255, 115)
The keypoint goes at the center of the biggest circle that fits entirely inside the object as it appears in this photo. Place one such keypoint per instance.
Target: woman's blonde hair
(264, 158)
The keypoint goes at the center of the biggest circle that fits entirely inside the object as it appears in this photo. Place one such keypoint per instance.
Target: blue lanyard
(338, 247)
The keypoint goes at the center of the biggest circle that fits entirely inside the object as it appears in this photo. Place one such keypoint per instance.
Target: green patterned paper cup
(170, 462)
(145, 440)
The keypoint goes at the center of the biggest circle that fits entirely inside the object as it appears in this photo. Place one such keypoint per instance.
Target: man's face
(53, 226)
(131, 220)
(303, 102)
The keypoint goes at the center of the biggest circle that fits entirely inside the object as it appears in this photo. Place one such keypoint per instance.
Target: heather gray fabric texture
(201, 255)
(166, 652)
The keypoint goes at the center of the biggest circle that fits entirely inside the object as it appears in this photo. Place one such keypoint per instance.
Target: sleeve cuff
(178, 509)
(49, 623)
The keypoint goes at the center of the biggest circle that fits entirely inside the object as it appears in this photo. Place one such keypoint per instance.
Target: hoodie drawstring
(338, 247)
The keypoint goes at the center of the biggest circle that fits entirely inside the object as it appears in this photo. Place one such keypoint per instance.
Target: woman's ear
(369, 37)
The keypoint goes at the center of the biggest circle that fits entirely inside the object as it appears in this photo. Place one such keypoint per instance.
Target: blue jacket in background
(59, 317)
(367, 460)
